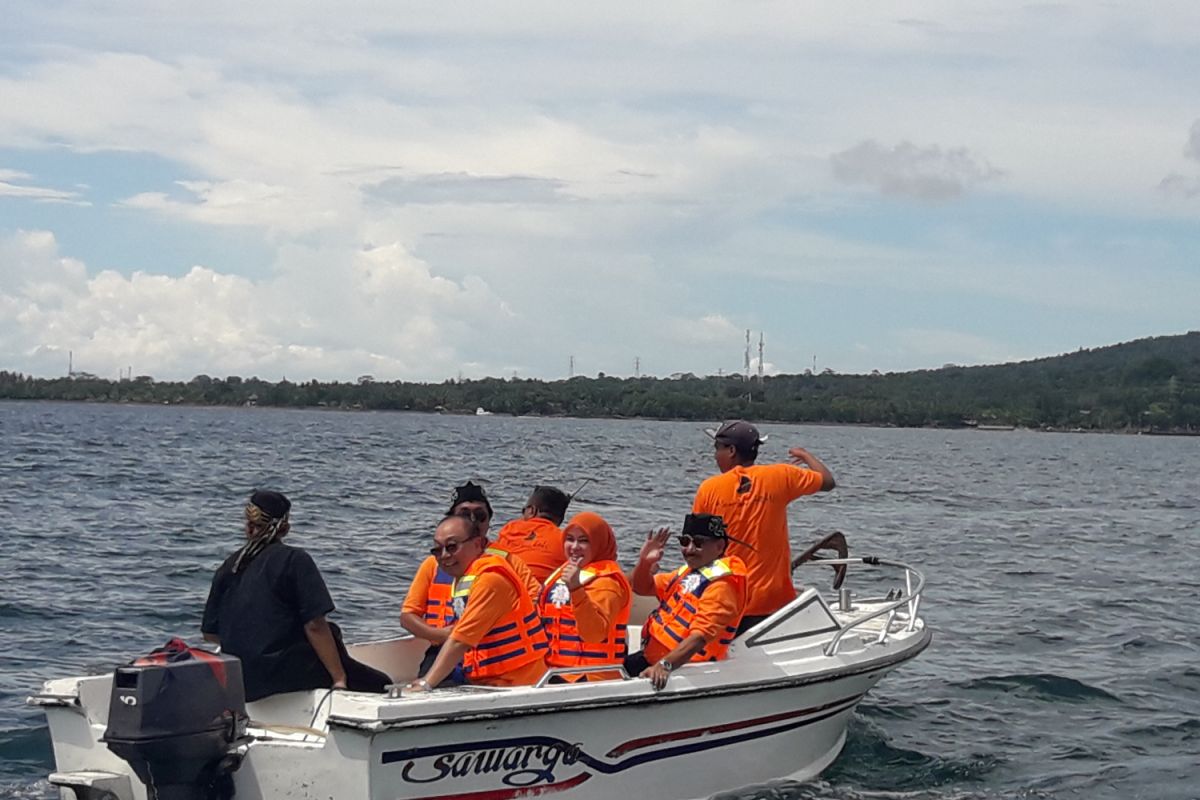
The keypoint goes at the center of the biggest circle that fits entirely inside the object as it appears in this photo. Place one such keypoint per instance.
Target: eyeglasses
(687, 540)
(450, 548)
(476, 515)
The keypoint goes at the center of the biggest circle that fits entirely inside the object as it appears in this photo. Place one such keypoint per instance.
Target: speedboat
(776, 708)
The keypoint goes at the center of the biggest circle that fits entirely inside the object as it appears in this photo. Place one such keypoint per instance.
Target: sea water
(1064, 575)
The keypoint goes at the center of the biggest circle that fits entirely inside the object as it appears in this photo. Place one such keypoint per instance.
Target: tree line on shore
(1149, 385)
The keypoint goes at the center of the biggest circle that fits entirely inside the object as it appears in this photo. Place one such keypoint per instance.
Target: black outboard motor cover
(174, 715)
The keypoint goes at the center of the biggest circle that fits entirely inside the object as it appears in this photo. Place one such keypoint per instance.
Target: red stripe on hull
(649, 741)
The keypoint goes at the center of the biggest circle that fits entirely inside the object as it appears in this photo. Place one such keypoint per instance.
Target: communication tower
(760, 358)
(747, 363)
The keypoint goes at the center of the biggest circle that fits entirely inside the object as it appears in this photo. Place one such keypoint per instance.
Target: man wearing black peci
(267, 606)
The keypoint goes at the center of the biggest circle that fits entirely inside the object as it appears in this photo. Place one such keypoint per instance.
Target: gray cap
(739, 433)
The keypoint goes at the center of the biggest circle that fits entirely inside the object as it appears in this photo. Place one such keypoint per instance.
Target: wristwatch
(666, 665)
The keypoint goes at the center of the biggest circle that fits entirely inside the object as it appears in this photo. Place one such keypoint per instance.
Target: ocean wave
(870, 761)
(1185, 731)
(1044, 686)
(25, 750)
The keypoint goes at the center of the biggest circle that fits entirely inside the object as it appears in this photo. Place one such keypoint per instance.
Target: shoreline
(991, 429)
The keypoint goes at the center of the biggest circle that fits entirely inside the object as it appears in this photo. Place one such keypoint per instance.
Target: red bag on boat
(176, 650)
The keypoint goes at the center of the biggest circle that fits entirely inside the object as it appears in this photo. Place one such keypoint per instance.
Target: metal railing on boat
(910, 600)
(554, 672)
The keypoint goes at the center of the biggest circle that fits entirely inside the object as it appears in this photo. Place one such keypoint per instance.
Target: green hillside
(1150, 385)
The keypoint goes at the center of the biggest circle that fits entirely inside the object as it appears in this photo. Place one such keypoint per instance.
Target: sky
(422, 191)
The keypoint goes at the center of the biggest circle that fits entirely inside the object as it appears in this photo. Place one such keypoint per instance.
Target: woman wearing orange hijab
(585, 603)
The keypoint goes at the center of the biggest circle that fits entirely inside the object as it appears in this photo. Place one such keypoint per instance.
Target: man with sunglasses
(753, 500)
(470, 501)
(426, 612)
(700, 603)
(495, 631)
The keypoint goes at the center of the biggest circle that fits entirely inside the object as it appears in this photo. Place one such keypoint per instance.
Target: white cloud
(11, 181)
(379, 312)
(711, 329)
(1192, 150)
(248, 203)
(1176, 185)
(1185, 186)
(563, 173)
(925, 173)
(939, 346)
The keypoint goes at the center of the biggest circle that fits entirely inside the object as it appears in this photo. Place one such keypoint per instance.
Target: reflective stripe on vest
(567, 648)
(516, 639)
(669, 623)
(439, 613)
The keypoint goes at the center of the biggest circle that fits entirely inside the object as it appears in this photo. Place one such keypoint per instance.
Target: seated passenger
(469, 500)
(426, 612)
(700, 604)
(267, 606)
(536, 537)
(585, 605)
(496, 632)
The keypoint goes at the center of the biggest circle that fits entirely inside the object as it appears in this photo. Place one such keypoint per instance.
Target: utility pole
(637, 367)
(571, 373)
(70, 363)
(747, 362)
(760, 358)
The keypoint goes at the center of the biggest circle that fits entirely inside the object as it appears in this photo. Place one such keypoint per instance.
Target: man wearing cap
(700, 603)
(267, 606)
(537, 537)
(753, 500)
(426, 612)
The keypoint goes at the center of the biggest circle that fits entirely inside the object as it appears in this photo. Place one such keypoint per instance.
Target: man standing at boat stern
(267, 606)
(753, 501)
(497, 632)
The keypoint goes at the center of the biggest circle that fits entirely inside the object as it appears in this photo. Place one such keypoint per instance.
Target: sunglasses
(449, 548)
(474, 514)
(687, 540)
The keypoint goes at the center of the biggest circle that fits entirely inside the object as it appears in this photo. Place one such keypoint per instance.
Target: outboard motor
(175, 716)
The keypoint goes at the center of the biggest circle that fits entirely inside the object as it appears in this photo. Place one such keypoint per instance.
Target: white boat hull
(777, 708)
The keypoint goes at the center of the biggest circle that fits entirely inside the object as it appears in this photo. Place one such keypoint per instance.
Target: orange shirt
(538, 541)
(493, 596)
(596, 605)
(418, 592)
(533, 586)
(720, 607)
(753, 502)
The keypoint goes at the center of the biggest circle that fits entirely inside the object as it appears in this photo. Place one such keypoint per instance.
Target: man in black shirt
(267, 606)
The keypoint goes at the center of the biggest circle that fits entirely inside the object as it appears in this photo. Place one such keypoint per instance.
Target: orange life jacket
(567, 647)
(538, 541)
(669, 623)
(516, 639)
(439, 613)
(532, 587)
